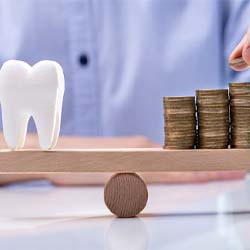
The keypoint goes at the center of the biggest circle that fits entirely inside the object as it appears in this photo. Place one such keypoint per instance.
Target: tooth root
(48, 121)
(57, 129)
(57, 120)
(45, 121)
(14, 127)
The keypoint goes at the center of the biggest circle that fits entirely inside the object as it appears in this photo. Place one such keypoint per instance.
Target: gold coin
(239, 85)
(239, 88)
(178, 112)
(207, 100)
(202, 92)
(242, 146)
(218, 131)
(214, 119)
(212, 146)
(214, 125)
(179, 136)
(215, 140)
(240, 102)
(212, 110)
(178, 98)
(178, 147)
(180, 125)
(181, 139)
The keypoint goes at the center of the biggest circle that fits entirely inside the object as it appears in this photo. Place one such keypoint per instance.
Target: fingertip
(237, 64)
(234, 67)
(238, 68)
(246, 54)
(237, 54)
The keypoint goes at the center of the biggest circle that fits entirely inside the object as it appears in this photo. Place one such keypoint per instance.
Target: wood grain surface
(126, 195)
(123, 160)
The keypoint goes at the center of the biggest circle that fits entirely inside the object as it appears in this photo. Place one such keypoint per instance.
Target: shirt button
(83, 60)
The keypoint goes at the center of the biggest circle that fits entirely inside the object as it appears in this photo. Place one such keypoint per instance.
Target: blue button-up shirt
(120, 57)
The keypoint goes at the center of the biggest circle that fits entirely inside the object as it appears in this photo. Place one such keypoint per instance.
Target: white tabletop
(197, 216)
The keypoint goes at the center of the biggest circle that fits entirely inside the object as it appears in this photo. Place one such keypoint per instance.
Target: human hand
(242, 50)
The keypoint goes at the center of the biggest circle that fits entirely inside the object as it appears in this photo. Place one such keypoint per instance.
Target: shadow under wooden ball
(126, 195)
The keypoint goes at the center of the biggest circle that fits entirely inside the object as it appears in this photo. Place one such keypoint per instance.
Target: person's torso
(119, 57)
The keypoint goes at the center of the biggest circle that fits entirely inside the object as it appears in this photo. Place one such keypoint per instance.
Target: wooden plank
(123, 160)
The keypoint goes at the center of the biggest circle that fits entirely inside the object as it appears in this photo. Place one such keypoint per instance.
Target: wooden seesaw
(126, 193)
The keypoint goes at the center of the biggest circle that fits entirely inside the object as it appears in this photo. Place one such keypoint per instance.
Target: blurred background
(120, 57)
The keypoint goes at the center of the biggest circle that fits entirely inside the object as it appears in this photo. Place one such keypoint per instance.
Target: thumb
(236, 56)
(246, 49)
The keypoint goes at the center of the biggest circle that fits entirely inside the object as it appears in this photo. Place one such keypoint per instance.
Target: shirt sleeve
(236, 23)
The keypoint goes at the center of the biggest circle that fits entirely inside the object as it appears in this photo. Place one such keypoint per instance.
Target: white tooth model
(27, 91)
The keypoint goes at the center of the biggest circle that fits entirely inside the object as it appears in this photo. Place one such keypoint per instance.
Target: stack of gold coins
(213, 118)
(240, 114)
(180, 122)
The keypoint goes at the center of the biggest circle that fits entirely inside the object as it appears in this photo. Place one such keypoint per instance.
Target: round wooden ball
(126, 195)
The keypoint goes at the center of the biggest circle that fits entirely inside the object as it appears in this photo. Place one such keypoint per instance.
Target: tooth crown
(36, 92)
